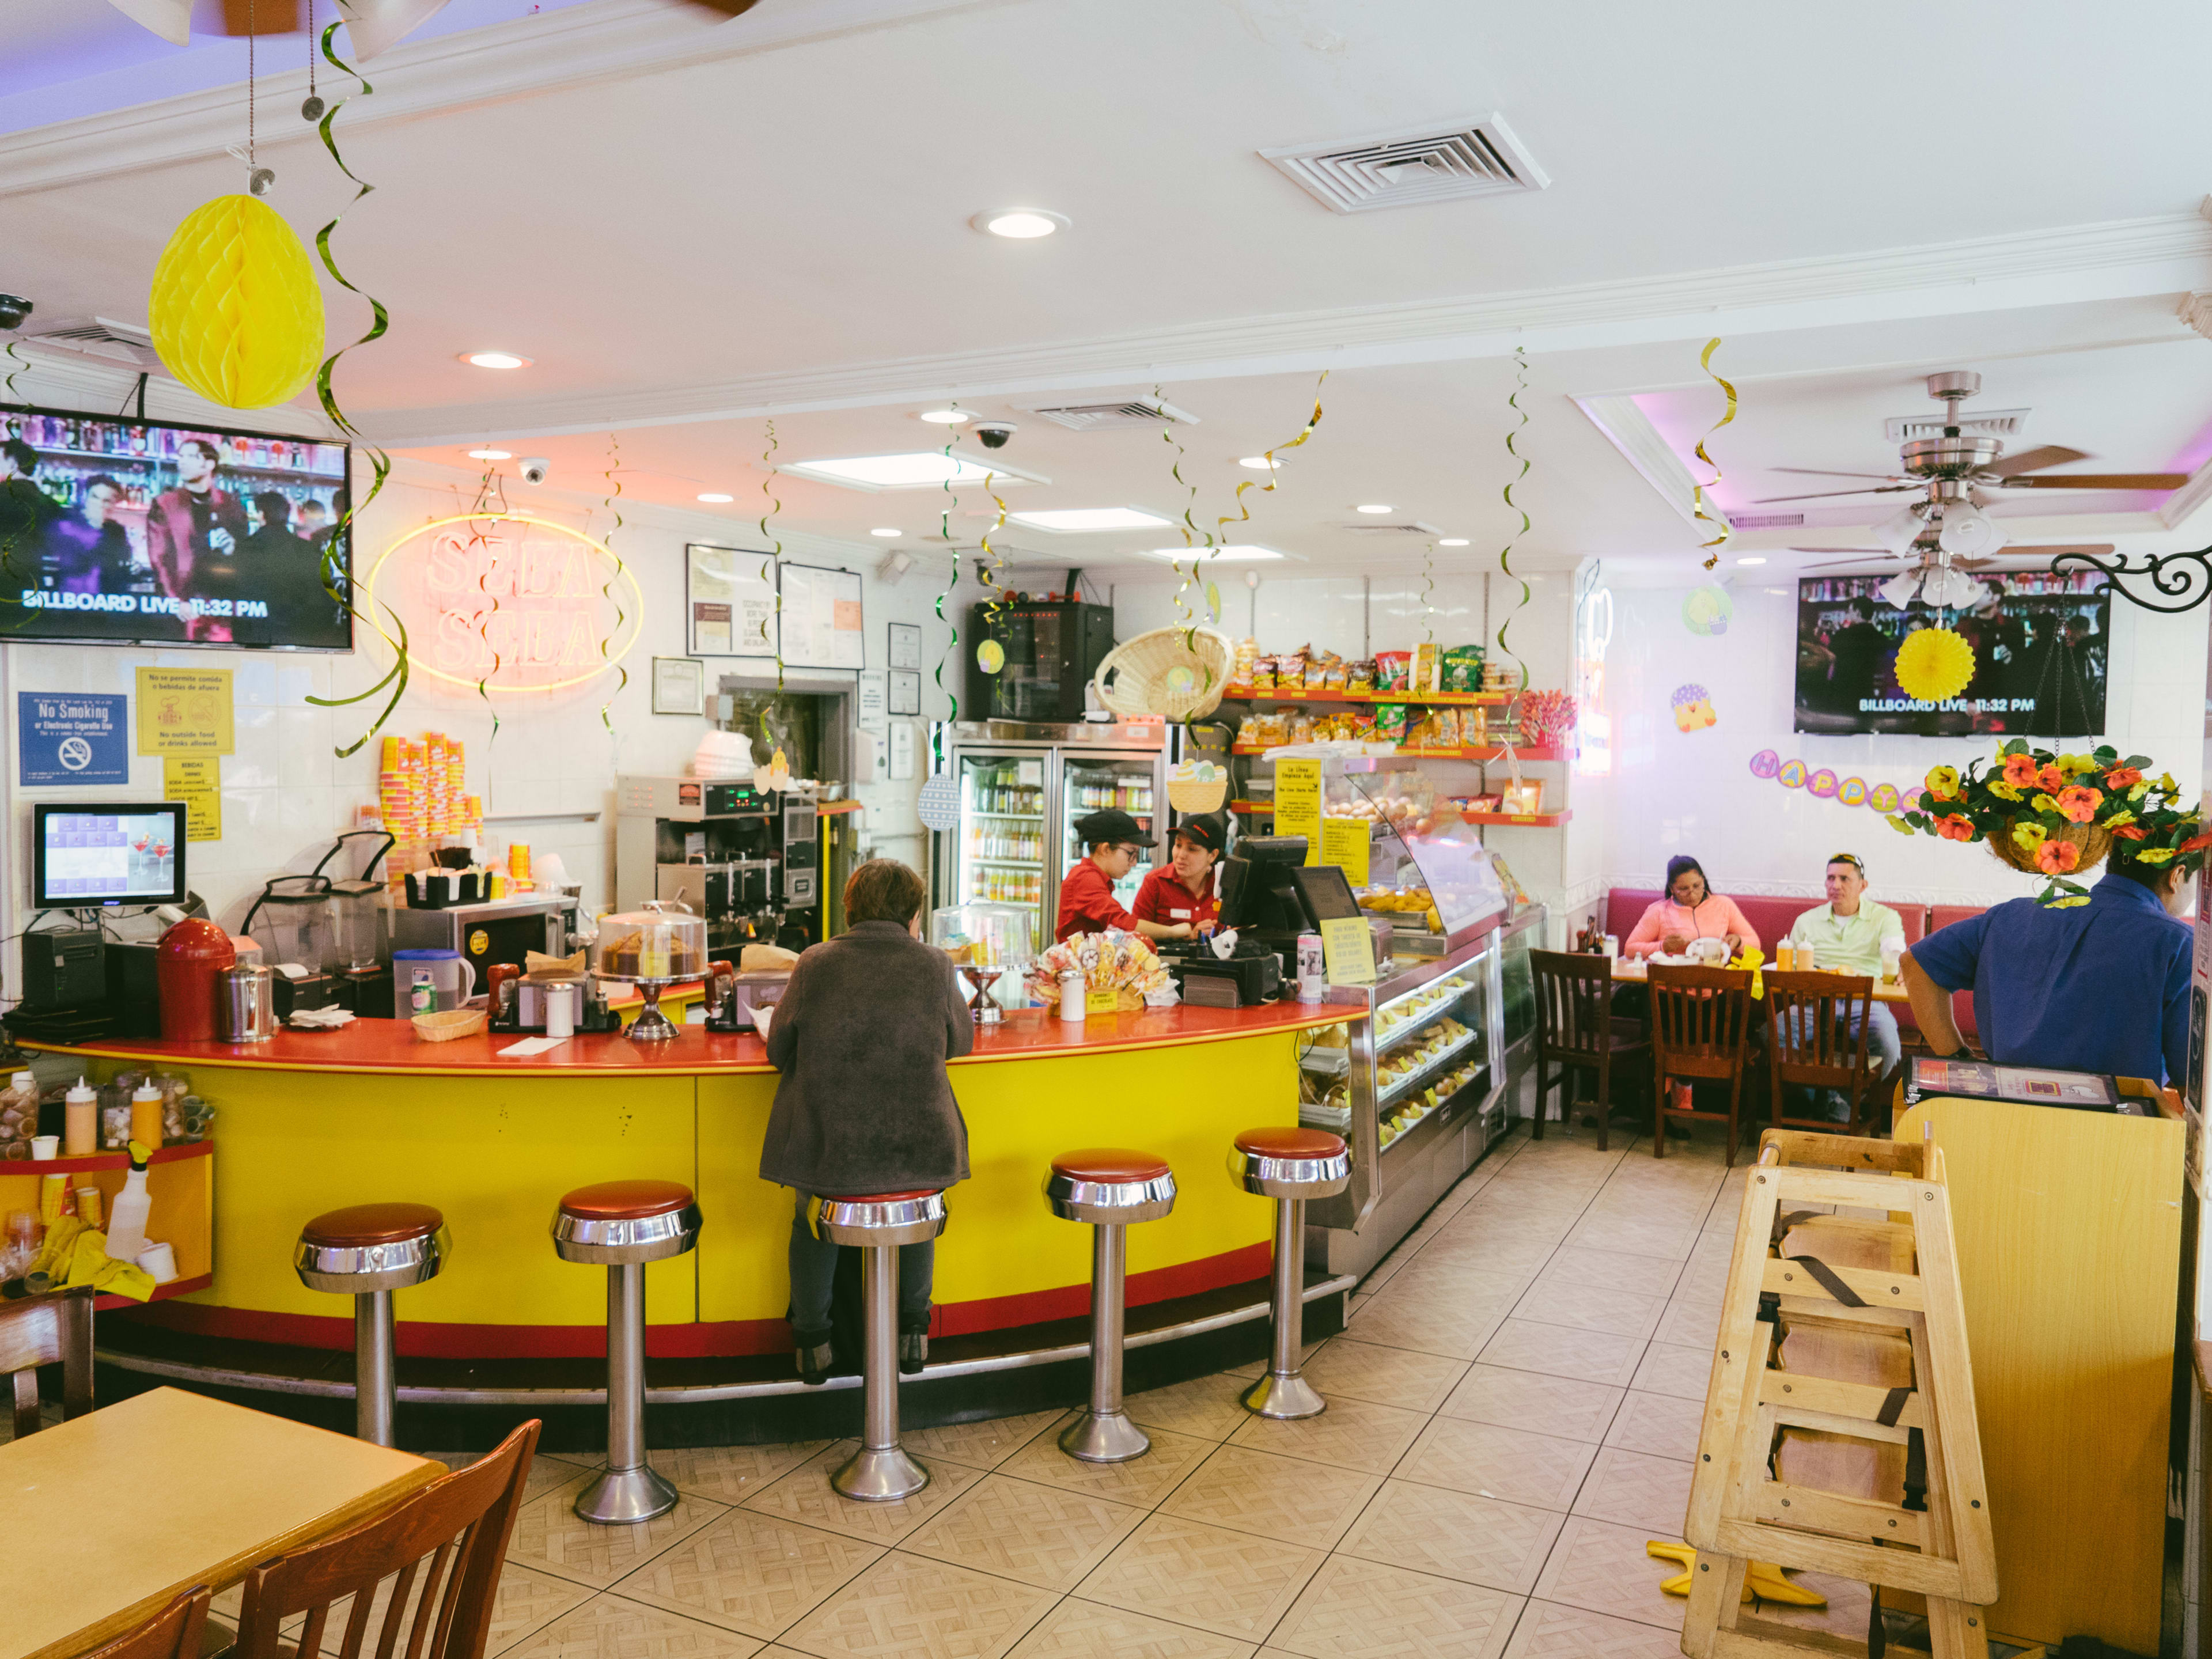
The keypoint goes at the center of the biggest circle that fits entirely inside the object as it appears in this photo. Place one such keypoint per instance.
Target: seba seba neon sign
(508, 602)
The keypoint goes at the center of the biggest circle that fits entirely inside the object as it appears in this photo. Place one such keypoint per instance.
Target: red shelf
(1533, 820)
(1252, 806)
(106, 1302)
(1429, 700)
(169, 1154)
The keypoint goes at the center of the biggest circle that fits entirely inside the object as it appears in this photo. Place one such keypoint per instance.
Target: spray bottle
(126, 1225)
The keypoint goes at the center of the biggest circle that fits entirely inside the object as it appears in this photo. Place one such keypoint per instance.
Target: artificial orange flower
(2080, 803)
(2196, 844)
(2052, 779)
(2055, 857)
(2122, 777)
(1952, 827)
(2130, 831)
(2019, 771)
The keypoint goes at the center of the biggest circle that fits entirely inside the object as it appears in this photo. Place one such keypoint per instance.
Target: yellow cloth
(73, 1254)
(1750, 956)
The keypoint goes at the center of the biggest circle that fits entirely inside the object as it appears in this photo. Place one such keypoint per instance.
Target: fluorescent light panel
(1073, 520)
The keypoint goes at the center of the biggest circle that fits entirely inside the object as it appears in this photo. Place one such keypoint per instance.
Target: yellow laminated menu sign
(199, 784)
(184, 711)
(1100, 1002)
(1345, 843)
(1348, 948)
(1298, 803)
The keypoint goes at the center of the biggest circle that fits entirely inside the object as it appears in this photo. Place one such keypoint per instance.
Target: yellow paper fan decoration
(236, 310)
(1933, 664)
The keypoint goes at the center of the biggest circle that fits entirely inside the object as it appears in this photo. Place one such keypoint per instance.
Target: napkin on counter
(319, 1019)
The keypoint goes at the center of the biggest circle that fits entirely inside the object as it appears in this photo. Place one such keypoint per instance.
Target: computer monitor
(116, 853)
(1267, 887)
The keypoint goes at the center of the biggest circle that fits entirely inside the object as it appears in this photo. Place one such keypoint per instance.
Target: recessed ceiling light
(491, 455)
(1068, 520)
(1372, 506)
(1022, 224)
(1236, 552)
(1453, 541)
(947, 416)
(1258, 463)
(716, 496)
(494, 360)
(927, 469)
(1751, 559)
(887, 532)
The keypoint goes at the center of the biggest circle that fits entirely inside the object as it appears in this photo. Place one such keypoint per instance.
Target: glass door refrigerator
(1091, 782)
(998, 853)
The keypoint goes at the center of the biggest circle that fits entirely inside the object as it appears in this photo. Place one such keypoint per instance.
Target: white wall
(1675, 792)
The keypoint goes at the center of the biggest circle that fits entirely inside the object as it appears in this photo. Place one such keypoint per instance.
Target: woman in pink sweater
(1690, 910)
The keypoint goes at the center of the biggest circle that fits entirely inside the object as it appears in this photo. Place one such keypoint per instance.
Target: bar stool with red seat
(1289, 1166)
(1108, 1188)
(622, 1226)
(367, 1251)
(877, 1224)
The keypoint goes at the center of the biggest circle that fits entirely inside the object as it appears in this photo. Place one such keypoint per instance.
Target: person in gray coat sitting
(864, 1105)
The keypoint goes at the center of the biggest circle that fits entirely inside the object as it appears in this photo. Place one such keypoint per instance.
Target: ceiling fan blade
(1882, 552)
(2040, 552)
(1825, 472)
(372, 26)
(1824, 495)
(170, 19)
(2032, 460)
(1837, 564)
(2100, 481)
(728, 8)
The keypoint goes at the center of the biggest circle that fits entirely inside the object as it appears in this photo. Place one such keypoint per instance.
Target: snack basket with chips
(1124, 963)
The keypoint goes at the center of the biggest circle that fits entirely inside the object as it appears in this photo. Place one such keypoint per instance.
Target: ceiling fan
(371, 25)
(1959, 472)
(1941, 578)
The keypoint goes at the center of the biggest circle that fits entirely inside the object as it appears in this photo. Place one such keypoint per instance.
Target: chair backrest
(1700, 1017)
(46, 1330)
(1574, 1003)
(1809, 1018)
(172, 1633)
(443, 1547)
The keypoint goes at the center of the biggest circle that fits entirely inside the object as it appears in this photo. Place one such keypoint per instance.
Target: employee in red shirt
(1111, 839)
(1178, 902)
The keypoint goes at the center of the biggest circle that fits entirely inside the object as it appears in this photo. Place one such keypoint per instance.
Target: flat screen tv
(121, 853)
(120, 531)
(2041, 646)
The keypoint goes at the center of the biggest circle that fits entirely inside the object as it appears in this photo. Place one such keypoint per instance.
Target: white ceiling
(702, 225)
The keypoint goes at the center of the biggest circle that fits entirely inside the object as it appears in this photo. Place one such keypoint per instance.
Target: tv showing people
(119, 854)
(115, 531)
(2040, 643)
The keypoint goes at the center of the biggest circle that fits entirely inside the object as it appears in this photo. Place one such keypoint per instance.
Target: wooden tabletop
(1638, 972)
(125, 1507)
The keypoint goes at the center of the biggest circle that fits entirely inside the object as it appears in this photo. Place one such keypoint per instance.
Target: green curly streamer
(945, 530)
(485, 492)
(607, 587)
(768, 573)
(988, 568)
(1505, 553)
(13, 428)
(1190, 532)
(334, 583)
(1429, 586)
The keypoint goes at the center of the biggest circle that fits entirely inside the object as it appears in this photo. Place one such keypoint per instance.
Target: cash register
(1270, 896)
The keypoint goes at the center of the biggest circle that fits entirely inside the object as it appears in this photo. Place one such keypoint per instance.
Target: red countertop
(390, 1045)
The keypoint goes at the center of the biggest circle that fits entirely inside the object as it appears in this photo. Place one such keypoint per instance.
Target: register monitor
(1268, 888)
(113, 853)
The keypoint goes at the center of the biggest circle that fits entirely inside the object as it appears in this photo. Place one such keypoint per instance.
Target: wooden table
(120, 1510)
(1638, 973)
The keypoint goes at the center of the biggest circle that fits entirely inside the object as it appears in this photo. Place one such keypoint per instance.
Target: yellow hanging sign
(1298, 803)
(1345, 842)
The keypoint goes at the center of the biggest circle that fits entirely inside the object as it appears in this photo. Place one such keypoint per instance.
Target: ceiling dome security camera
(994, 434)
(14, 309)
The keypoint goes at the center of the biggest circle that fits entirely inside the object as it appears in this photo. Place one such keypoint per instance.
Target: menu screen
(132, 854)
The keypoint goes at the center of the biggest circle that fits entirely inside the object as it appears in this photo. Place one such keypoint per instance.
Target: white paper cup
(160, 1262)
(45, 1148)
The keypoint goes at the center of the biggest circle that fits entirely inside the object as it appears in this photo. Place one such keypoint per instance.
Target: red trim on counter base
(419, 1340)
(390, 1045)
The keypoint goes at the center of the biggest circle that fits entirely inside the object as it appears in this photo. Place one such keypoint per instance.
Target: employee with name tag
(1179, 899)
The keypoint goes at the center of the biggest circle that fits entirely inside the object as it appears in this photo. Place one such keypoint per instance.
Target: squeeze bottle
(126, 1224)
(146, 1114)
(81, 1127)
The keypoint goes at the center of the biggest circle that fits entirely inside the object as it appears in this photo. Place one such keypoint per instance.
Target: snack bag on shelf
(1444, 728)
(1463, 668)
(1363, 726)
(1390, 722)
(1425, 671)
(1242, 664)
(1291, 672)
(1317, 675)
(1391, 670)
(1362, 677)
(1302, 728)
(1263, 675)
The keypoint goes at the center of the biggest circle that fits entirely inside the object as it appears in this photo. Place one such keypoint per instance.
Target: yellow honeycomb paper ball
(236, 310)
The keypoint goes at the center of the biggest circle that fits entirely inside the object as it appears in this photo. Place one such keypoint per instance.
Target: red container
(185, 964)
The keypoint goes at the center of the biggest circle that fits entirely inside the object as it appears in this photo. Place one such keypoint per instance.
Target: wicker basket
(453, 1023)
(1193, 794)
(1159, 673)
(2093, 840)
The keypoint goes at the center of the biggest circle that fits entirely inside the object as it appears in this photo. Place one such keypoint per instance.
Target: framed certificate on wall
(906, 692)
(906, 645)
(729, 602)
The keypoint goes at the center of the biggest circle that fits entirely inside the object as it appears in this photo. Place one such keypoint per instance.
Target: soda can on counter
(1313, 974)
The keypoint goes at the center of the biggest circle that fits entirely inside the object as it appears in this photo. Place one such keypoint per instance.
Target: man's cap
(1111, 823)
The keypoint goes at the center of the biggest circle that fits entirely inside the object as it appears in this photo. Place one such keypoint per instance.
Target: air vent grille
(1410, 527)
(1766, 521)
(101, 337)
(1406, 169)
(1131, 411)
(1981, 423)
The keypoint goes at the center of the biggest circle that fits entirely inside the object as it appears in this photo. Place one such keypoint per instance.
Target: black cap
(1208, 830)
(1111, 825)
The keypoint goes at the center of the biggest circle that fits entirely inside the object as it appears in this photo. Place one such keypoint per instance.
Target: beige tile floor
(1513, 1412)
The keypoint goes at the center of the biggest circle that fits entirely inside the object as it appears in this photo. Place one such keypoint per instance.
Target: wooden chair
(1810, 1045)
(446, 1544)
(46, 1330)
(1700, 1026)
(1576, 1027)
(172, 1633)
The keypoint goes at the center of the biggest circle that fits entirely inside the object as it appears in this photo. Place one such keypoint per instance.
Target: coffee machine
(746, 859)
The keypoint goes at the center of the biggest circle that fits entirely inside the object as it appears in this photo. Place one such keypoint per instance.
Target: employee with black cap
(1111, 841)
(1178, 901)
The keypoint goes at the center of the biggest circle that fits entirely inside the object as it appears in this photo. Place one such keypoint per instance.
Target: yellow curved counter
(314, 1122)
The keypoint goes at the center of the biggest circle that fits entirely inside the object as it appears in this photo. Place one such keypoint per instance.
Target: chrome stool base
(622, 1497)
(1285, 1399)
(1104, 1438)
(879, 1474)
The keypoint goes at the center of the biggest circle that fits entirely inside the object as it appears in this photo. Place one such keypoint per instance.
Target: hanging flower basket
(1177, 673)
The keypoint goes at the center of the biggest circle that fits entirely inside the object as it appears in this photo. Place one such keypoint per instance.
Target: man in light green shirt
(1847, 935)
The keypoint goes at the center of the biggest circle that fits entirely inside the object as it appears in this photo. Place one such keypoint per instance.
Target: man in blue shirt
(2102, 986)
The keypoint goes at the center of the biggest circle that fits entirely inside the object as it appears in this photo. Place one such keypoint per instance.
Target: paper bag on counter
(767, 959)
(542, 969)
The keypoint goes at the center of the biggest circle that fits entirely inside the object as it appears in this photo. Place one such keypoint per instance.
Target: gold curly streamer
(945, 530)
(1428, 588)
(1244, 512)
(989, 567)
(11, 428)
(1505, 553)
(1190, 533)
(483, 504)
(380, 324)
(770, 573)
(607, 588)
(1697, 490)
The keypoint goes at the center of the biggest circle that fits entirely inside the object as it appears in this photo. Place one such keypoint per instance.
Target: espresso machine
(746, 860)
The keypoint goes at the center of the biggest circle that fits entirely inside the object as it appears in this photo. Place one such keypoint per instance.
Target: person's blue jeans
(814, 1278)
(1884, 1050)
